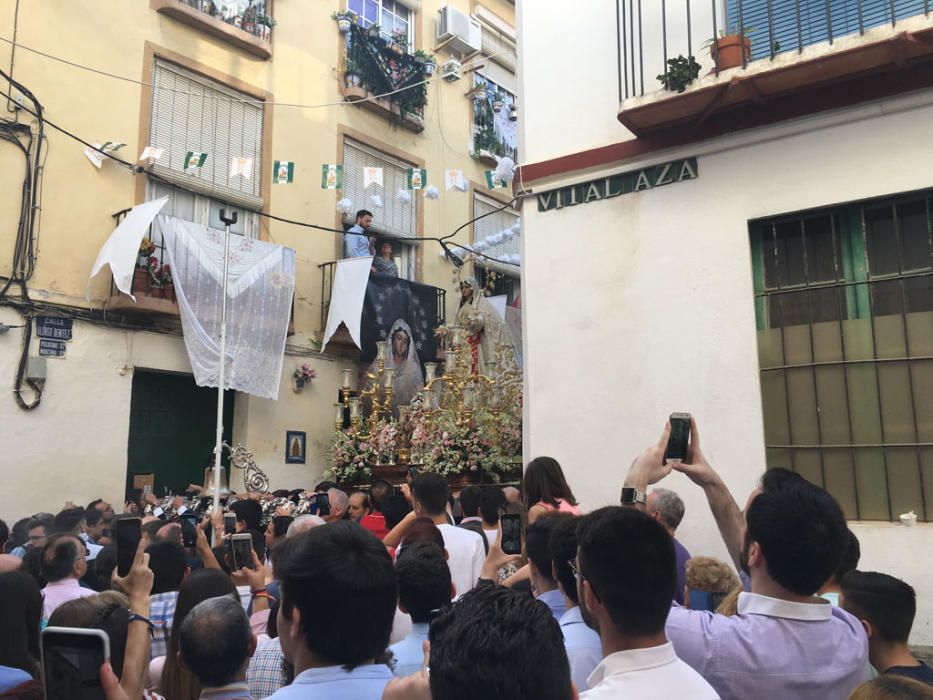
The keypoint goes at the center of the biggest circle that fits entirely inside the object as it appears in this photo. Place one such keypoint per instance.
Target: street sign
(54, 328)
(51, 348)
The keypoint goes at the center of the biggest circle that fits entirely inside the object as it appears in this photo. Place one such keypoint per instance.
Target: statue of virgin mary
(485, 329)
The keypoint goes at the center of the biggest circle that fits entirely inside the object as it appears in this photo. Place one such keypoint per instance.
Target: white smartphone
(71, 661)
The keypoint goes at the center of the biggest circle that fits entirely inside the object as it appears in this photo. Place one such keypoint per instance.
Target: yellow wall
(91, 387)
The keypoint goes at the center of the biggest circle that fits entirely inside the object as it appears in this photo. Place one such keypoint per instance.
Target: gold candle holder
(389, 378)
(450, 362)
(430, 372)
(338, 417)
(381, 350)
(347, 375)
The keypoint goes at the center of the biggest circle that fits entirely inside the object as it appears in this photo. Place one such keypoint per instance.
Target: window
(813, 22)
(193, 113)
(395, 219)
(492, 224)
(391, 16)
(494, 133)
(844, 311)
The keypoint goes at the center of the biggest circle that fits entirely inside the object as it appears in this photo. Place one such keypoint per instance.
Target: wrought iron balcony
(681, 62)
(376, 66)
(243, 23)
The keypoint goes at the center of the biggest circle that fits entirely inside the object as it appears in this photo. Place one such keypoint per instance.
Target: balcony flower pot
(497, 106)
(729, 49)
(429, 67)
(248, 26)
(168, 291)
(141, 281)
(343, 24)
(374, 31)
(351, 79)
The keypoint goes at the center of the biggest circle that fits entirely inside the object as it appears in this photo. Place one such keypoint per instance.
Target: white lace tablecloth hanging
(260, 285)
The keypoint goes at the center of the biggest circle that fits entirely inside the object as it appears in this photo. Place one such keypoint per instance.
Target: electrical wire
(137, 169)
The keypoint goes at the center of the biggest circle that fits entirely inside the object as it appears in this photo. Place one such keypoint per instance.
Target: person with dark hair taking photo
(886, 607)
(338, 602)
(785, 641)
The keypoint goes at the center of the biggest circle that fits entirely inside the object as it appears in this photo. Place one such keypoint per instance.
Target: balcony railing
(327, 284)
(152, 283)
(375, 66)
(713, 33)
(248, 15)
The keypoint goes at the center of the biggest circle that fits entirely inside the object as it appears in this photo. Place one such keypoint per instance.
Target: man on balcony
(356, 244)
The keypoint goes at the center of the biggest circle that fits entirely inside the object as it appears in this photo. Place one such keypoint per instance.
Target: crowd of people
(406, 592)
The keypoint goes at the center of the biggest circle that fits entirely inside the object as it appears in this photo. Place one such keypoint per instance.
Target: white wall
(642, 305)
(73, 446)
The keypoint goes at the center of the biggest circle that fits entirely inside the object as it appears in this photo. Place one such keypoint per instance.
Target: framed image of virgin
(294, 447)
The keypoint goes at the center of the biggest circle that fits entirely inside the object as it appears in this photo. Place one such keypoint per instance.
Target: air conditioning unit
(450, 70)
(458, 31)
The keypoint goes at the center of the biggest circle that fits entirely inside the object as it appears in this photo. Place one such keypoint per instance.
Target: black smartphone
(511, 533)
(680, 436)
(323, 504)
(129, 531)
(71, 661)
(229, 523)
(242, 551)
(189, 529)
(412, 474)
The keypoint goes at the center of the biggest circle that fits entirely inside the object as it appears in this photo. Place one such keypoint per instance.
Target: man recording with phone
(784, 641)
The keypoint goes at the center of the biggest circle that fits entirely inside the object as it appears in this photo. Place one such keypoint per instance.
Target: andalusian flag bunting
(332, 177)
(417, 177)
(492, 182)
(283, 172)
(195, 159)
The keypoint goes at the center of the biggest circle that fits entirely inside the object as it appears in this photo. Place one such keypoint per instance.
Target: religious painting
(295, 447)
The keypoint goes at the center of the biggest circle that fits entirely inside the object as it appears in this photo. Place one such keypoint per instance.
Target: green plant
(424, 57)
(343, 14)
(729, 31)
(680, 73)
(266, 21)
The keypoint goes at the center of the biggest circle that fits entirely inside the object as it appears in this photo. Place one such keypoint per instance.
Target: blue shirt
(555, 601)
(584, 650)
(335, 683)
(356, 243)
(409, 653)
(11, 677)
(682, 556)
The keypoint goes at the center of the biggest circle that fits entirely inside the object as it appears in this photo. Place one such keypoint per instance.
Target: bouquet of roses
(350, 457)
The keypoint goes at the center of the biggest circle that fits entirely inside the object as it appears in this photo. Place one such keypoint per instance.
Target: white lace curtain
(260, 285)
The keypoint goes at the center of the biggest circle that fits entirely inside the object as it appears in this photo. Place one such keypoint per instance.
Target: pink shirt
(54, 594)
(562, 507)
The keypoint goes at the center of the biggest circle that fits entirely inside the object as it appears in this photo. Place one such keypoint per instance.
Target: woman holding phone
(545, 490)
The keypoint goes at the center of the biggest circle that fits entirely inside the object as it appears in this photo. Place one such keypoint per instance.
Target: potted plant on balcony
(374, 31)
(497, 101)
(265, 24)
(168, 284)
(344, 19)
(427, 60)
(399, 42)
(727, 50)
(142, 280)
(681, 71)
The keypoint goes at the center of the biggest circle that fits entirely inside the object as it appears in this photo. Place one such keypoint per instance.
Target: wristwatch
(631, 496)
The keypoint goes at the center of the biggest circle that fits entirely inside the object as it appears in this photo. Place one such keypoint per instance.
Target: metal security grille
(844, 312)
(394, 218)
(193, 113)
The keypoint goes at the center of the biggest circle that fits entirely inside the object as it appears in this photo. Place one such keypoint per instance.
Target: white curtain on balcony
(260, 285)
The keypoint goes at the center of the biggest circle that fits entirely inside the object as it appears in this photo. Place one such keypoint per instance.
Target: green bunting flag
(331, 177)
(283, 172)
(492, 182)
(417, 177)
(195, 159)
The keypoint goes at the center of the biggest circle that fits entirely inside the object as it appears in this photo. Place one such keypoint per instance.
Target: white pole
(219, 445)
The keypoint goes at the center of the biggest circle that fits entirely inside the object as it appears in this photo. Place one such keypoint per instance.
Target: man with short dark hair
(424, 589)
(584, 650)
(94, 521)
(784, 641)
(169, 564)
(375, 521)
(498, 644)
(470, 498)
(625, 583)
(851, 554)
(72, 521)
(335, 617)
(358, 506)
(356, 244)
(36, 535)
(490, 505)
(540, 564)
(886, 607)
(64, 562)
(248, 514)
(215, 643)
(667, 508)
(465, 549)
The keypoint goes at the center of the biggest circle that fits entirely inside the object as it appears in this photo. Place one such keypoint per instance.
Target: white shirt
(54, 594)
(584, 650)
(465, 556)
(650, 673)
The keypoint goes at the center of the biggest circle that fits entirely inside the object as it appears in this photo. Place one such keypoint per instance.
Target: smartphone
(680, 436)
(412, 474)
(242, 551)
(229, 523)
(189, 529)
(129, 531)
(511, 533)
(323, 504)
(71, 661)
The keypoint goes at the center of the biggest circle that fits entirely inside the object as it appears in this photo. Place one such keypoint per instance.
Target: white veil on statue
(481, 320)
(402, 356)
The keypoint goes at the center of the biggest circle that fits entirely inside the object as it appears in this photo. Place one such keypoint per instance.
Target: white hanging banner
(346, 298)
(121, 250)
(260, 285)
(372, 176)
(454, 180)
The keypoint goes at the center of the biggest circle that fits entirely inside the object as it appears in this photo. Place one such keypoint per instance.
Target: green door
(173, 429)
